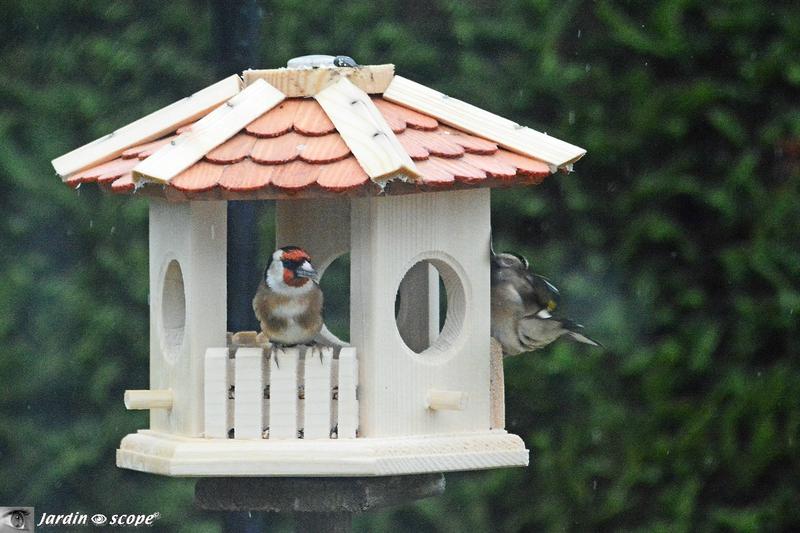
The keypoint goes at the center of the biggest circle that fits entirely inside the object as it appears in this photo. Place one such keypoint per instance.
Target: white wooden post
(347, 404)
(187, 301)
(283, 393)
(215, 393)
(248, 409)
(497, 387)
(389, 235)
(317, 382)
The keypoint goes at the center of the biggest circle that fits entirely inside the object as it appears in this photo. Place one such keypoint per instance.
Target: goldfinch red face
(291, 267)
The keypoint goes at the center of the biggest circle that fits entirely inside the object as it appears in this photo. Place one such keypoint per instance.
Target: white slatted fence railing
(281, 393)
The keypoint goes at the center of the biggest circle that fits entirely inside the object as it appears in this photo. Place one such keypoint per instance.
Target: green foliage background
(676, 241)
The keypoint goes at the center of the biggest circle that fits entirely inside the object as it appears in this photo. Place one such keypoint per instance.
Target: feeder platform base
(174, 455)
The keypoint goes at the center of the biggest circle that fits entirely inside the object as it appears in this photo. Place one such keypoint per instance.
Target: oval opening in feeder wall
(429, 307)
(173, 309)
(334, 281)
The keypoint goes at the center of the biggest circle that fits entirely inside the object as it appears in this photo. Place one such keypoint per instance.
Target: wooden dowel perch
(148, 399)
(446, 400)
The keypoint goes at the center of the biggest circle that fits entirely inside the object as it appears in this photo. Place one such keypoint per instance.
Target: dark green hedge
(676, 241)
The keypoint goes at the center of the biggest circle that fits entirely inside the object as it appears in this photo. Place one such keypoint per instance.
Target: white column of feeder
(248, 409)
(283, 393)
(348, 400)
(215, 393)
(318, 393)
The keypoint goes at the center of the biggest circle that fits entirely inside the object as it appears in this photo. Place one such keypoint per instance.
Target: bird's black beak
(305, 271)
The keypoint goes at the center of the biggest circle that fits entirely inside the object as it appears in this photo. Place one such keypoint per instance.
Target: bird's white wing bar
(147, 128)
(209, 132)
(366, 132)
(482, 123)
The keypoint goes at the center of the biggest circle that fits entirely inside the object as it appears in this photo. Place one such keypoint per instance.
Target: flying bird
(522, 303)
(288, 302)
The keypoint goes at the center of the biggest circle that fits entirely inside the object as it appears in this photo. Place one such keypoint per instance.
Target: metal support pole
(323, 522)
(237, 28)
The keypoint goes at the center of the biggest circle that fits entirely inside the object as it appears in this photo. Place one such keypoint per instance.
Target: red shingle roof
(295, 150)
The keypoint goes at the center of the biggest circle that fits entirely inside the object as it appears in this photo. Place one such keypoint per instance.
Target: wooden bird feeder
(392, 172)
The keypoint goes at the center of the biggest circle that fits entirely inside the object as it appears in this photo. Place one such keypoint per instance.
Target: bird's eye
(551, 305)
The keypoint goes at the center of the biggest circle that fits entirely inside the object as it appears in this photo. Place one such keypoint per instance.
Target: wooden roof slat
(433, 174)
(147, 128)
(409, 117)
(90, 174)
(124, 167)
(482, 123)
(200, 177)
(365, 131)
(393, 118)
(325, 149)
(294, 175)
(275, 122)
(525, 165)
(123, 184)
(438, 145)
(311, 119)
(372, 79)
(245, 176)
(493, 167)
(234, 149)
(146, 150)
(470, 143)
(461, 170)
(185, 128)
(413, 146)
(277, 150)
(343, 175)
(209, 132)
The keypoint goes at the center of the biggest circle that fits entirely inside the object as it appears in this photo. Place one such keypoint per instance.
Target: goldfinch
(521, 305)
(288, 302)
